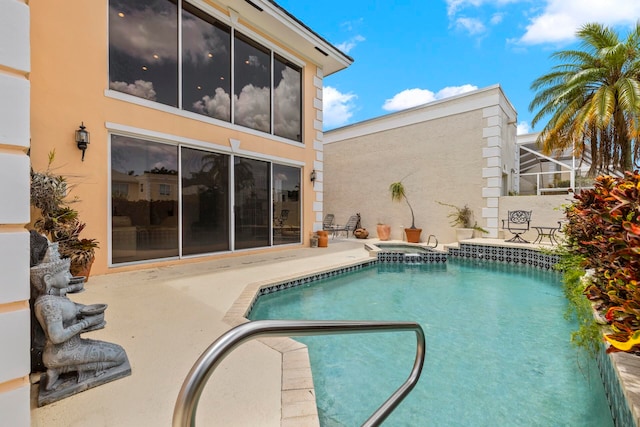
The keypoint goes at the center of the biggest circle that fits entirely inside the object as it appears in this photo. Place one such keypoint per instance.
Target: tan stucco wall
(449, 151)
(69, 80)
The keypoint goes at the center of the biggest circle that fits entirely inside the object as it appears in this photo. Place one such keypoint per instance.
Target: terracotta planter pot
(323, 238)
(361, 233)
(413, 234)
(384, 231)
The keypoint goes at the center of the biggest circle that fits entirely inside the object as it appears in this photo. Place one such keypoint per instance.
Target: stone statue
(62, 322)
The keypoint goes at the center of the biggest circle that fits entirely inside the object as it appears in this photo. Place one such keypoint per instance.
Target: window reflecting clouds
(144, 62)
(252, 85)
(287, 105)
(143, 49)
(206, 64)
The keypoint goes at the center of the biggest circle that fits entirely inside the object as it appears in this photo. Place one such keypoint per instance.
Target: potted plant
(462, 218)
(59, 221)
(398, 194)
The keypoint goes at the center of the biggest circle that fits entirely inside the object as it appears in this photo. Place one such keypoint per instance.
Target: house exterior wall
(452, 151)
(14, 213)
(70, 85)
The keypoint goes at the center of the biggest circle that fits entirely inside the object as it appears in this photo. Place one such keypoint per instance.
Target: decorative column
(318, 163)
(14, 214)
(492, 170)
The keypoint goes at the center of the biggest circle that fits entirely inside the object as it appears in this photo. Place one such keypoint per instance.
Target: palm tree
(593, 99)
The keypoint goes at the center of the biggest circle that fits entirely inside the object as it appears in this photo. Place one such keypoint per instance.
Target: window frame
(234, 25)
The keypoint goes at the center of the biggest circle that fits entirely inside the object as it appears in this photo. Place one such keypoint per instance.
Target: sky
(411, 52)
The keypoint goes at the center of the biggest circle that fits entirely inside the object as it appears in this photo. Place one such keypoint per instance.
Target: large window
(205, 202)
(143, 49)
(252, 87)
(287, 105)
(146, 61)
(144, 201)
(206, 64)
(155, 198)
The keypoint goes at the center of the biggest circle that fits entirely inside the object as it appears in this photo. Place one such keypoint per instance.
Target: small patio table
(548, 232)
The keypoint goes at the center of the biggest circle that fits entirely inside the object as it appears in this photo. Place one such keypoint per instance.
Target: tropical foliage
(592, 99)
(58, 220)
(603, 233)
(462, 217)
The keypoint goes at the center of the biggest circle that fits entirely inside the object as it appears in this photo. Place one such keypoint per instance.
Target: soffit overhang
(274, 21)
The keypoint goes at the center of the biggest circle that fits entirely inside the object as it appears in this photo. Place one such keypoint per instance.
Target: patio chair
(517, 223)
(351, 224)
(327, 223)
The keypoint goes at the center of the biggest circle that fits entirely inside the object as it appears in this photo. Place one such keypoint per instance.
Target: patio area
(165, 318)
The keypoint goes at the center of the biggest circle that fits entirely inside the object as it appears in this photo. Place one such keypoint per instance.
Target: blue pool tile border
(412, 258)
(620, 410)
(505, 254)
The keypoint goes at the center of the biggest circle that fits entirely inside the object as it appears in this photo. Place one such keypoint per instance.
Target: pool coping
(620, 376)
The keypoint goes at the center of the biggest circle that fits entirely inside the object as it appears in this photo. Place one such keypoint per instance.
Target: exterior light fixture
(82, 139)
(312, 177)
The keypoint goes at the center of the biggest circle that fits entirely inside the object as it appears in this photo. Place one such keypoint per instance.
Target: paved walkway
(165, 318)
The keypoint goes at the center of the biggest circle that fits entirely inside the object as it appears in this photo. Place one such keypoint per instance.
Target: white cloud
(350, 44)
(413, 97)
(132, 33)
(560, 19)
(523, 128)
(218, 106)
(496, 18)
(337, 107)
(472, 25)
(286, 99)
(140, 88)
(252, 108)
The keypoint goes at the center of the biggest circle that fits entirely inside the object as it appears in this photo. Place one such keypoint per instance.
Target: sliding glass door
(164, 195)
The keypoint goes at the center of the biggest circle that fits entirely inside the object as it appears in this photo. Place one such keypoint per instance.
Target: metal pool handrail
(184, 414)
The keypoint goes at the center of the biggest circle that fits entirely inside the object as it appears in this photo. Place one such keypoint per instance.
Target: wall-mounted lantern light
(82, 139)
(312, 177)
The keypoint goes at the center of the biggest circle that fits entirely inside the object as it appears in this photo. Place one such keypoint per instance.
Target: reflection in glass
(144, 199)
(252, 84)
(287, 104)
(205, 202)
(206, 64)
(251, 203)
(143, 49)
(286, 204)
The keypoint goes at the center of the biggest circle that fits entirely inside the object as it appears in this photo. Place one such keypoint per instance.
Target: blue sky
(409, 52)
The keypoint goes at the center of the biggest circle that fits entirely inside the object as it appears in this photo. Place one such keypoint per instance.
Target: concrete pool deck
(165, 317)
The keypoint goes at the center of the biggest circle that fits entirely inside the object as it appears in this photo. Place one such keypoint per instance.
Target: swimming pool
(498, 350)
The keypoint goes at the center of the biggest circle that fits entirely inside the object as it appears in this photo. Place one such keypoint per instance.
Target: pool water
(498, 347)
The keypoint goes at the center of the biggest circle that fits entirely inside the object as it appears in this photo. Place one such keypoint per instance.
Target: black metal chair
(517, 223)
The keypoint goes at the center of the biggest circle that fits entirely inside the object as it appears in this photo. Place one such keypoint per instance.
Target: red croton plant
(604, 227)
